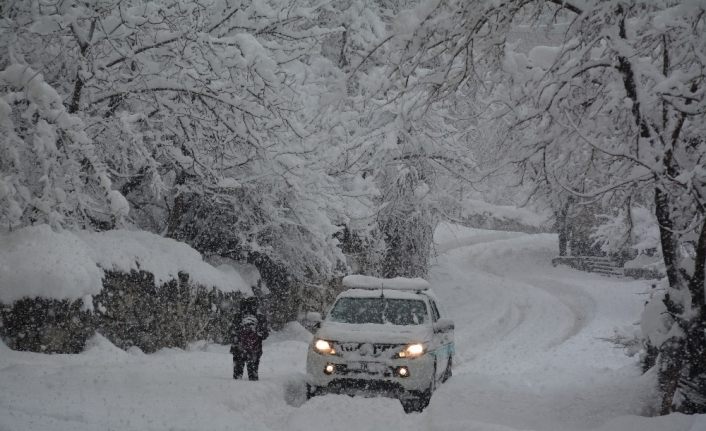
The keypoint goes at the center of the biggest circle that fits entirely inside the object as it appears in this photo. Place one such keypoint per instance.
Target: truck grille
(372, 350)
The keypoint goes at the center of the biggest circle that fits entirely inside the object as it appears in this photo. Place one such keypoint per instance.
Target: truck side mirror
(444, 325)
(314, 318)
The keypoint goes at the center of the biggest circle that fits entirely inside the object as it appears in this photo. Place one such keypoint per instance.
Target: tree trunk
(563, 240)
(682, 361)
(698, 280)
(563, 227)
(178, 209)
(671, 363)
(666, 234)
(76, 95)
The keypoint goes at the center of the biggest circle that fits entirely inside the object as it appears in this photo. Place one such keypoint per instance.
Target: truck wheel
(312, 391)
(416, 403)
(448, 373)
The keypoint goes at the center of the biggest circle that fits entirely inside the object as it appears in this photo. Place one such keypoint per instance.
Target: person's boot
(237, 374)
(252, 367)
(238, 369)
(252, 372)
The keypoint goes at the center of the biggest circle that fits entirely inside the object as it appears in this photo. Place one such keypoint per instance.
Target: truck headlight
(412, 351)
(324, 347)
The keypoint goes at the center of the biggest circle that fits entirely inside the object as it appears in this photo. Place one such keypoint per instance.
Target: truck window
(434, 311)
(379, 310)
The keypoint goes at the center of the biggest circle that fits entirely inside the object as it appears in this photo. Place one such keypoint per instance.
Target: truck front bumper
(389, 377)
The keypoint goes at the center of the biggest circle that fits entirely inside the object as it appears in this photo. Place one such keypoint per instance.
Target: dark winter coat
(248, 331)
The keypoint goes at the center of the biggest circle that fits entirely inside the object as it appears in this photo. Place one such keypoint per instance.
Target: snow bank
(292, 331)
(248, 272)
(656, 323)
(36, 261)
(101, 347)
(125, 251)
(674, 421)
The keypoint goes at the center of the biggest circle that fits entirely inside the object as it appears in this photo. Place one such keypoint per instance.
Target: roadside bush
(45, 325)
(130, 311)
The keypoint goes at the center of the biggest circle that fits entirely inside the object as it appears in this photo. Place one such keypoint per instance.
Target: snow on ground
(531, 355)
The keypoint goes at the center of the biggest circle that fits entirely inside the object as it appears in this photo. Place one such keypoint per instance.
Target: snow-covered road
(531, 355)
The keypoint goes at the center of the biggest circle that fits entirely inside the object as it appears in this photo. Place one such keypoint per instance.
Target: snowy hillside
(531, 355)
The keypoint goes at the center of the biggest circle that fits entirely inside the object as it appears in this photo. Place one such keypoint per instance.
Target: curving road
(531, 338)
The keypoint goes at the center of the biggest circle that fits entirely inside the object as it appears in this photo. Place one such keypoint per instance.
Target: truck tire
(312, 391)
(448, 372)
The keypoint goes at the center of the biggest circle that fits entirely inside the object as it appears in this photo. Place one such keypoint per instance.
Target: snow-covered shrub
(46, 325)
(613, 234)
(633, 235)
(132, 310)
(645, 231)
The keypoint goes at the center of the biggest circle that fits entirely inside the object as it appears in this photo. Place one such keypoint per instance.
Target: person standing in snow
(248, 330)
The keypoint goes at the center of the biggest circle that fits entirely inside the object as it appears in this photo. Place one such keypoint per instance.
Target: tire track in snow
(529, 335)
(502, 318)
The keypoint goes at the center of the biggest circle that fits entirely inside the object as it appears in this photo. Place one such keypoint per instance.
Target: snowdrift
(36, 261)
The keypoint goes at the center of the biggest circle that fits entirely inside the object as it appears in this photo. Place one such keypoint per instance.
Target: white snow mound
(292, 331)
(125, 250)
(98, 345)
(36, 261)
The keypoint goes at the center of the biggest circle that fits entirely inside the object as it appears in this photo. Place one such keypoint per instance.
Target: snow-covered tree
(630, 228)
(613, 107)
(199, 113)
(49, 170)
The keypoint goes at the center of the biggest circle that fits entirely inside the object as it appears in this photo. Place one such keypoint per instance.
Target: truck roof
(358, 281)
(370, 293)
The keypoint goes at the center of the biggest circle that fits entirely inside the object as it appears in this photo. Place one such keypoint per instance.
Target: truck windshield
(379, 310)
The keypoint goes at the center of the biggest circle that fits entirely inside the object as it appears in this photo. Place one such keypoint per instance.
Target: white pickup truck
(382, 337)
